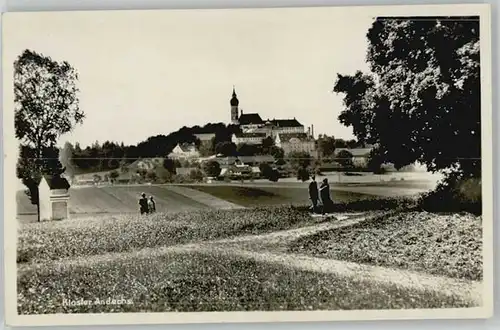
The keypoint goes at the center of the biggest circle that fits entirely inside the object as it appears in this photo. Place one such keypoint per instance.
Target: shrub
(196, 175)
(113, 175)
(97, 178)
(299, 159)
(151, 176)
(269, 173)
(344, 158)
(371, 204)
(164, 175)
(454, 195)
(274, 177)
(212, 168)
(170, 165)
(302, 174)
(265, 169)
(179, 178)
(380, 170)
(352, 174)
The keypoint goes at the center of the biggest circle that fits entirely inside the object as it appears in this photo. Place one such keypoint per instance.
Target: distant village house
(256, 160)
(296, 142)
(184, 151)
(360, 156)
(248, 138)
(147, 164)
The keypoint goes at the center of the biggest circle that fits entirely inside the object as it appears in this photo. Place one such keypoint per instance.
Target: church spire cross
(234, 99)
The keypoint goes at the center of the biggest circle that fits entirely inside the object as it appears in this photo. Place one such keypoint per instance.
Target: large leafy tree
(421, 100)
(326, 145)
(45, 94)
(212, 168)
(244, 149)
(344, 158)
(277, 152)
(267, 144)
(299, 159)
(226, 148)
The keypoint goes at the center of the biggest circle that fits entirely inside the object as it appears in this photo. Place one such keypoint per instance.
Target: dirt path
(469, 291)
(283, 237)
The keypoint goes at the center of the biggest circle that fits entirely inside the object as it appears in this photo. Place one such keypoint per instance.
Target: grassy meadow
(165, 261)
(143, 259)
(198, 282)
(441, 244)
(40, 242)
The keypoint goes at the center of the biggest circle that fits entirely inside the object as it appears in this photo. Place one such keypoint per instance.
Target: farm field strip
(166, 200)
(116, 199)
(203, 198)
(96, 200)
(172, 198)
(251, 196)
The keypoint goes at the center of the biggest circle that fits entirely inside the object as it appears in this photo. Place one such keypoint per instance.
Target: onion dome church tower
(234, 108)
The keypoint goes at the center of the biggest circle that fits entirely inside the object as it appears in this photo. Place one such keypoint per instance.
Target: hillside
(117, 199)
(173, 198)
(126, 174)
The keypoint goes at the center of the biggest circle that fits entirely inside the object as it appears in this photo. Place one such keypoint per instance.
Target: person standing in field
(143, 204)
(151, 205)
(313, 194)
(324, 192)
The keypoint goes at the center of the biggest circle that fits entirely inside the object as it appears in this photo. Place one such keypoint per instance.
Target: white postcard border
(10, 224)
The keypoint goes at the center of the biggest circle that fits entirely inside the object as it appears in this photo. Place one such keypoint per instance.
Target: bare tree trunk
(39, 167)
(38, 209)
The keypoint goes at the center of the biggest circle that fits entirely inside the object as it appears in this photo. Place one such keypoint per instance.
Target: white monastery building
(288, 134)
(296, 142)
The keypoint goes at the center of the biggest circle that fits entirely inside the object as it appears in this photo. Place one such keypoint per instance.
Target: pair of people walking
(320, 198)
(146, 205)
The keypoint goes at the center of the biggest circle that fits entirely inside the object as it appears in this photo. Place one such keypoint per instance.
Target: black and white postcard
(248, 165)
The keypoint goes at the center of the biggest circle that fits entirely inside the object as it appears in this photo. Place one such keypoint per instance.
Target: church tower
(234, 108)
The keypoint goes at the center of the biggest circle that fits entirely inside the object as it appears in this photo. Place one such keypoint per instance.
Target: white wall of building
(247, 139)
(44, 193)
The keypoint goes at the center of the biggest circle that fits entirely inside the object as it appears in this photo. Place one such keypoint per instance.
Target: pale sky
(148, 73)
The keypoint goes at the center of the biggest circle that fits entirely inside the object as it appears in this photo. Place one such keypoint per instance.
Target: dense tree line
(112, 155)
